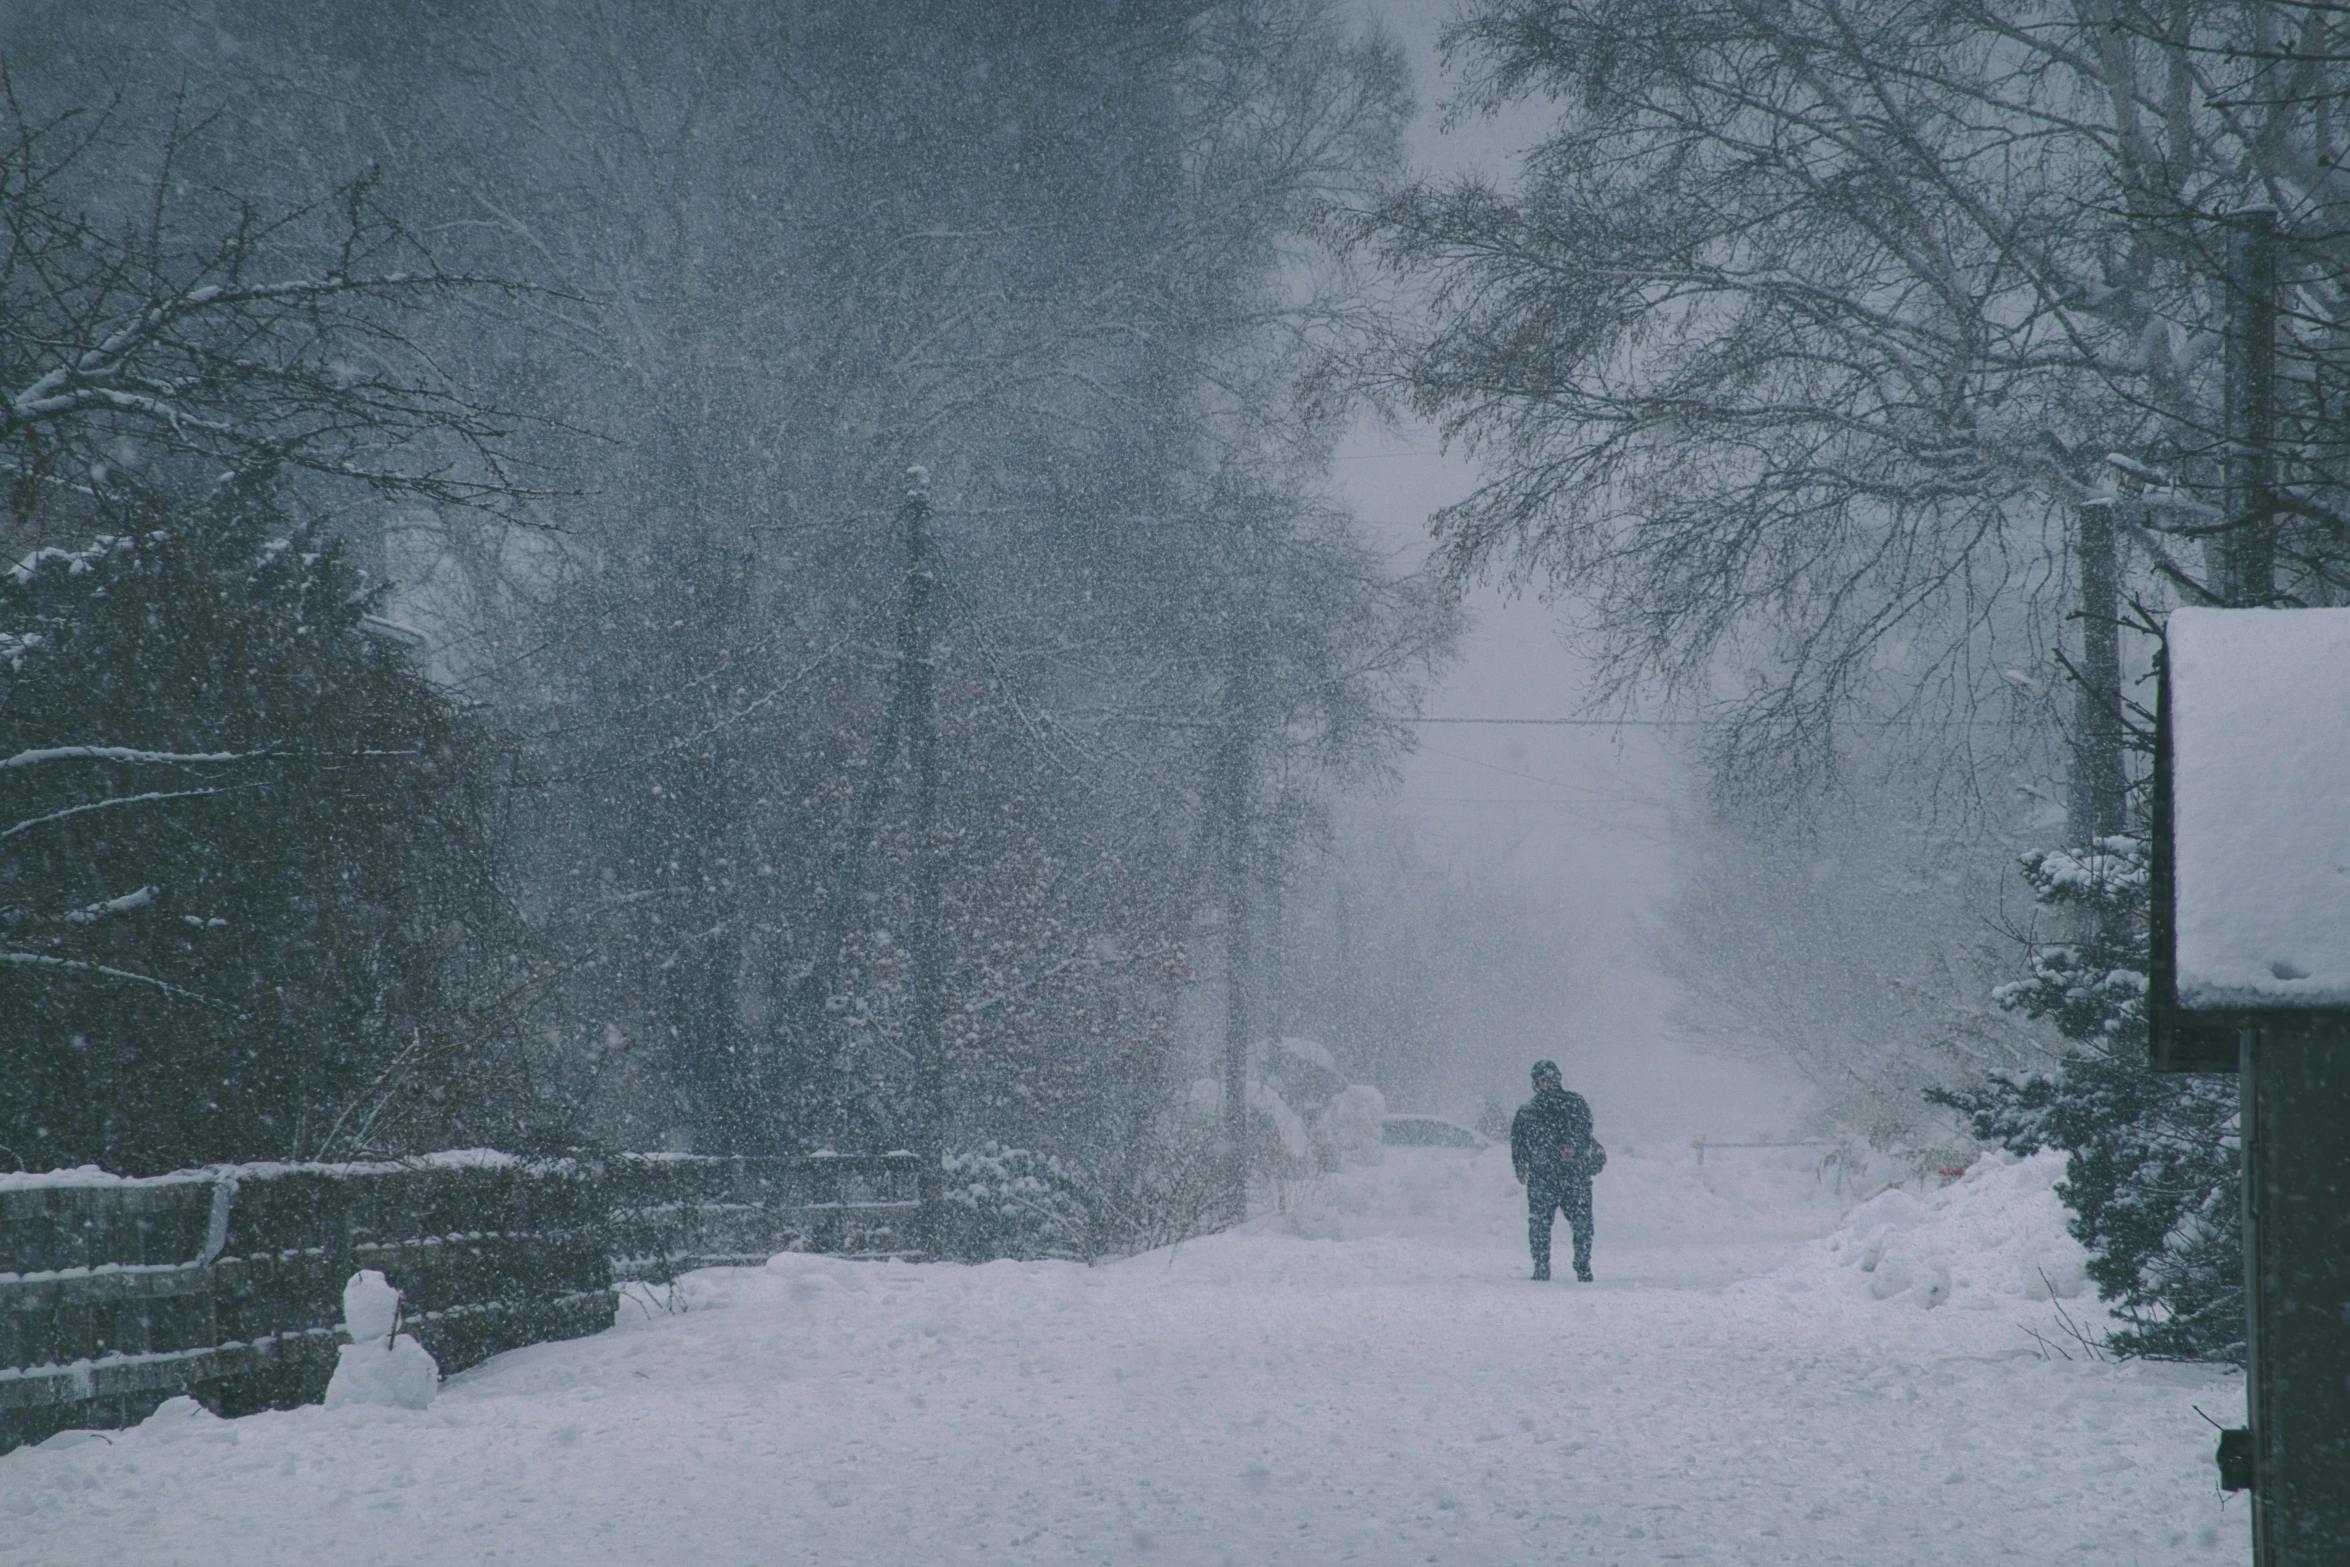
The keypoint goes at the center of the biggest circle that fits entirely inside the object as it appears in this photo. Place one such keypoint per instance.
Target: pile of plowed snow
(1991, 1238)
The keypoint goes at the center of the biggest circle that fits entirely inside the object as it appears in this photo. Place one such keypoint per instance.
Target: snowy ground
(1758, 1377)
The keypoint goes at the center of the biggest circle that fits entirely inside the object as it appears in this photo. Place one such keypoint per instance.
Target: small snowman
(381, 1365)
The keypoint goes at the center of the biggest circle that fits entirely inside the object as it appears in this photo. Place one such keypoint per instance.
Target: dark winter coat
(1550, 1138)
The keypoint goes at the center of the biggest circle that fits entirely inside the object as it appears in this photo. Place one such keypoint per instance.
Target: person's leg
(1577, 1203)
(1541, 1208)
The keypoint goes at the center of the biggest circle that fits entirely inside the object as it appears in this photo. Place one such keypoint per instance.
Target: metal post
(2248, 549)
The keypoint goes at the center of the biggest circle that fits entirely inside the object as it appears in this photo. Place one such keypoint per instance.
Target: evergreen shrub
(2155, 1171)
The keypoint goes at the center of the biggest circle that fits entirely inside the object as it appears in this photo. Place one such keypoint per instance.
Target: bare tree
(1811, 328)
(281, 339)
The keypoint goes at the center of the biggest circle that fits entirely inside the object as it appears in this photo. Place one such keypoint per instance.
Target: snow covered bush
(1350, 1126)
(1012, 1202)
(1169, 1187)
(2154, 1175)
(1307, 1119)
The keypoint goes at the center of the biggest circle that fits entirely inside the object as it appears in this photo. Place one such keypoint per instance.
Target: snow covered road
(1367, 1378)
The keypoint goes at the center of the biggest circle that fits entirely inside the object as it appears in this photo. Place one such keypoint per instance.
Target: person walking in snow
(1556, 1157)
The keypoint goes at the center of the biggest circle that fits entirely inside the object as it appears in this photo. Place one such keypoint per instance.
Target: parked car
(1426, 1131)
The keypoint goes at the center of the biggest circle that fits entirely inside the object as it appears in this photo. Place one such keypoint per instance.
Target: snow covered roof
(2260, 806)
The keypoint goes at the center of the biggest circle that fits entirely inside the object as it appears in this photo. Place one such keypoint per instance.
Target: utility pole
(1236, 783)
(908, 716)
(1274, 986)
(2099, 785)
(917, 671)
(2245, 571)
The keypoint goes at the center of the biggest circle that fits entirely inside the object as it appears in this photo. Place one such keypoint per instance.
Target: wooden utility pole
(2246, 573)
(917, 672)
(908, 716)
(1236, 787)
(1273, 987)
(2099, 793)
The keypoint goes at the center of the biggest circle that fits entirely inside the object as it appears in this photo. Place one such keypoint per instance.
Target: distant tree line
(476, 500)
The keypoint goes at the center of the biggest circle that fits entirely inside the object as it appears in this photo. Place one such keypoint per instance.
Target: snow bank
(1993, 1237)
(1311, 1051)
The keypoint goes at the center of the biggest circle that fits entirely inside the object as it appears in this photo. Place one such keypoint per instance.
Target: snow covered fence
(672, 1213)
(227, 1282)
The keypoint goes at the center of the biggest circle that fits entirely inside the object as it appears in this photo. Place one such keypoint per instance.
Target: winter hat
(1543, 1069)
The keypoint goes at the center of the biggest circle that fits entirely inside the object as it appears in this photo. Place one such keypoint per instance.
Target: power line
(1574, 723)
(1690, 723)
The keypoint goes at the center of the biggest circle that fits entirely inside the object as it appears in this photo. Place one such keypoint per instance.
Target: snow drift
(1990, 1240)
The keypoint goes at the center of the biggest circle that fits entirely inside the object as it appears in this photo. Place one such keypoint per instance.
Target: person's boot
(1583, 1275)
(1542, 1273)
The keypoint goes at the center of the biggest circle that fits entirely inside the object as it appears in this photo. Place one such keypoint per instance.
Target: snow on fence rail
(671, 1214)
(116, 1294)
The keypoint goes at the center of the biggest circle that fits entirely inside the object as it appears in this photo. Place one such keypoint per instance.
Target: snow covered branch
(104, 971)
(120, 349)
(108, 803)
(123, 753)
